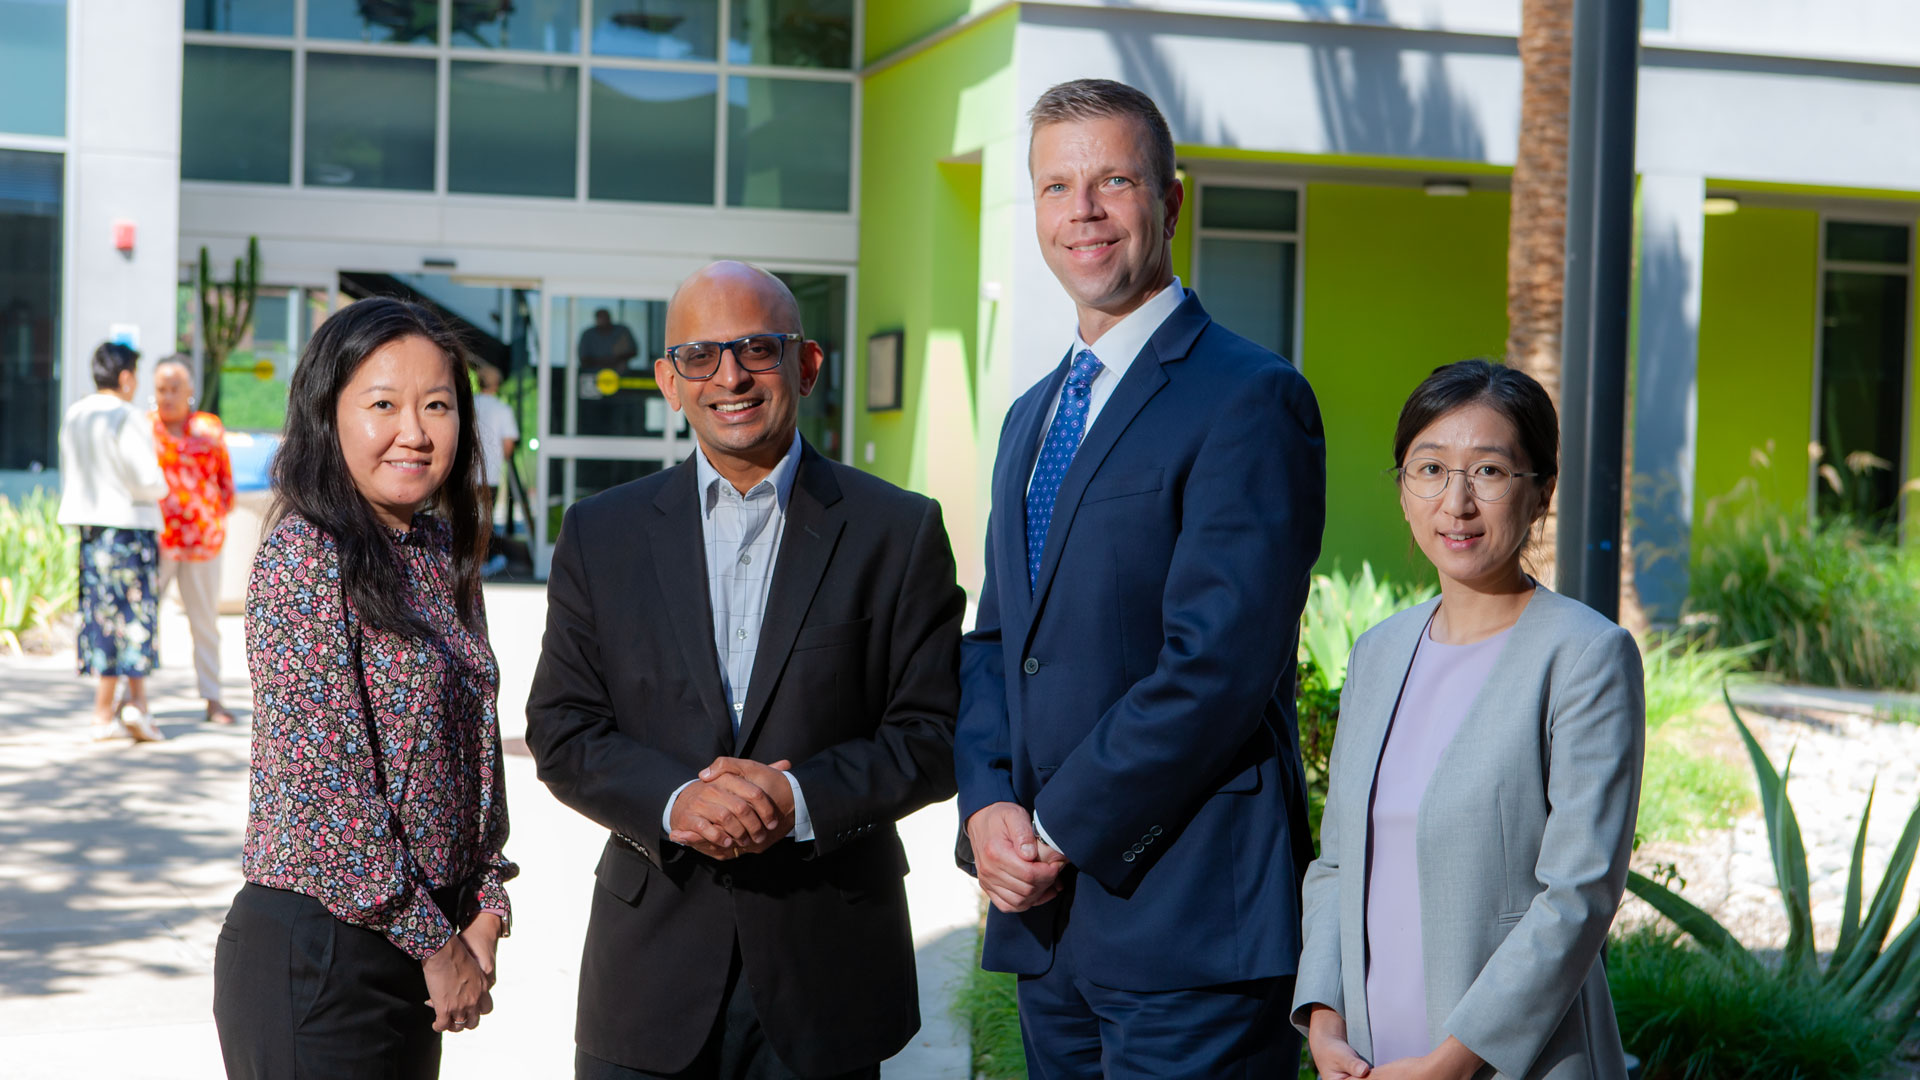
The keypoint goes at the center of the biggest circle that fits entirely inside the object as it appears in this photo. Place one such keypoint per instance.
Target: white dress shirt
(109, 470)
(742, 532)
(1116, 351)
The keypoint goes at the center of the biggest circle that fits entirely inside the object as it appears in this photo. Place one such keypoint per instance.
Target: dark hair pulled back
(109, 360)
(310, 475)
(1511, 392)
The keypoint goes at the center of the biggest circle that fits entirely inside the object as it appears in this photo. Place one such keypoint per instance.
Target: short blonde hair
(1093, 99)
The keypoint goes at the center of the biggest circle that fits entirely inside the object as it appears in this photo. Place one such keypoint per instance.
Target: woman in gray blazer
(1484, 782)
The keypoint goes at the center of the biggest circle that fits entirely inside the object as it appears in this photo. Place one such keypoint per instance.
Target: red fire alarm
(123, 232)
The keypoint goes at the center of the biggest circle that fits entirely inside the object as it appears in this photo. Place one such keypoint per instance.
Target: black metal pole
(1593, 341)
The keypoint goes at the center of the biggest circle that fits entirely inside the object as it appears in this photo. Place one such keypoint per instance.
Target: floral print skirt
(119, 604)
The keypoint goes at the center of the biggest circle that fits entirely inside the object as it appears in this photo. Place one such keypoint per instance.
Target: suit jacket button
(1126, 856)
(1031, 665)
(724, 880)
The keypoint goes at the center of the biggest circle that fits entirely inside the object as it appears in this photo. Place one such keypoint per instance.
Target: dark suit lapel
(814, 524)
(680, 565)
(1010, 496)
(1144, 379)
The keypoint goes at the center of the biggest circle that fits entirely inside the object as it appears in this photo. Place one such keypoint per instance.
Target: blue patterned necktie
(1063, 438)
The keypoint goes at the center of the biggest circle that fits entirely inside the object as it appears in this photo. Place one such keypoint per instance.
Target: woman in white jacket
(110, 489)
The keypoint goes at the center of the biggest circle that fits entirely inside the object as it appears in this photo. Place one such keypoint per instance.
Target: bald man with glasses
(750, 673)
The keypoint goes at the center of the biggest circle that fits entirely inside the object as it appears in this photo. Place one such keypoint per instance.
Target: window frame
(1298, 238)
(583, 61)
(1863, 216)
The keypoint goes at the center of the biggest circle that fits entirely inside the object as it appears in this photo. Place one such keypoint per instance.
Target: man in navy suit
(1129, 768)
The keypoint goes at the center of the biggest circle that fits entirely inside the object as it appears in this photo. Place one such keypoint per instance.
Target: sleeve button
(1126, 856)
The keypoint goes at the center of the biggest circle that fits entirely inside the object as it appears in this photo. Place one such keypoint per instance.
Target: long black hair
(310, 475)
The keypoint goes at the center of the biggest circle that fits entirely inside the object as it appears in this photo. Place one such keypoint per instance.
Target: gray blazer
(1523, 834)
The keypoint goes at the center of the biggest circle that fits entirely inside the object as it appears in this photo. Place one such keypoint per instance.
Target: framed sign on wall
(886, 360)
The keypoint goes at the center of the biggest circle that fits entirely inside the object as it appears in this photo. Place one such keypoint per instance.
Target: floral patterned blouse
(199, 488)
(369, 833)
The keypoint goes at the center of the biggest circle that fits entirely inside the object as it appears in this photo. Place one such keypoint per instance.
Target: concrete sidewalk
(117, 863)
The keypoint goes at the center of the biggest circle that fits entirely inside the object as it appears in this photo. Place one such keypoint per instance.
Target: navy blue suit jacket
(1141, 696)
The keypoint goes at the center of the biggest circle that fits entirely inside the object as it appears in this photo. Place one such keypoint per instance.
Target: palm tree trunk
(1537, 228)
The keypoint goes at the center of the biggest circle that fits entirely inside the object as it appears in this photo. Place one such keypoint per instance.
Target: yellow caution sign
(607, 382)
(263, 369)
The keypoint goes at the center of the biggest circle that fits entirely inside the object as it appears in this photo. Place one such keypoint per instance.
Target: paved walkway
(117, 863)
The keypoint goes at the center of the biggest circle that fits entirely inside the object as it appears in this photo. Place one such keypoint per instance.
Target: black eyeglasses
(699, 360)
(1488, 481)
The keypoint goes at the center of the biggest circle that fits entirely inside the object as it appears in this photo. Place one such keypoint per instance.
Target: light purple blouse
(1441, 685)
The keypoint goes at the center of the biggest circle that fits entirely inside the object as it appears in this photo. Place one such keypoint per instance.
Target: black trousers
(736, 1048)
(297, 993)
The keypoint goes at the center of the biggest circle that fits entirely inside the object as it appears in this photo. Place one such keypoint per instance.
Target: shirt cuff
(802, 821)
(666, 815)
(1041, 831)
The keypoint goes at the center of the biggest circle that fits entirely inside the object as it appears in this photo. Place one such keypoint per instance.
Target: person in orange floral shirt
(193, 455)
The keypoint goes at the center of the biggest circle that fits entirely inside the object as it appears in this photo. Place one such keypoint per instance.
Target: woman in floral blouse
(378, 814)
(193, 455)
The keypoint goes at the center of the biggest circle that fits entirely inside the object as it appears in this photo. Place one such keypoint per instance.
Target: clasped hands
(1335, 1058)
(460, 977)
(736, 807)
(1016, 869)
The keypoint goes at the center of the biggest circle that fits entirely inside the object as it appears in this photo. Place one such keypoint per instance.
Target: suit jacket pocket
(874, 866)
(1143, 482)
(831, 634)
(621, 872)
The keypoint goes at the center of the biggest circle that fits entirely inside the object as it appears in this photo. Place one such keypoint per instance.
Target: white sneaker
(140, 725)
(109, 730)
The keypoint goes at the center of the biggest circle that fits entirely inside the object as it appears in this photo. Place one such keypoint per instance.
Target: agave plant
(39, 566)
(1881, 978)
(1340, 608)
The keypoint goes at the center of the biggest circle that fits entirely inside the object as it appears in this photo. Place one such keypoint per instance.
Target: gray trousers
(200, 597)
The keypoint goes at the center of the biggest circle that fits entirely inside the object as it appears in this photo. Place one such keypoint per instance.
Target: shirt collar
(1124, 340)
(781, 478)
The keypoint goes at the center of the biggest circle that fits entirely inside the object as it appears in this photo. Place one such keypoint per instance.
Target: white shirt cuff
(666, 816)
(1041, 831)
(802, 821)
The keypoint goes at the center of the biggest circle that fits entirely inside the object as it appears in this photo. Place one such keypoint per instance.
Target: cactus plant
(226, 317)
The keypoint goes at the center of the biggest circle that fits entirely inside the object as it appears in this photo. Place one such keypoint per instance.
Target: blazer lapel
(680, 566)
(814, 524)
(1010, 495)
(1144, 379)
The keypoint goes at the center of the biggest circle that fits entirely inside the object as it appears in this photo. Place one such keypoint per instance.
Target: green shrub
(1831, 602)
(39, 565)
(986, 1005)
(1876, 979)
(1687, 786)
(1689, 1015)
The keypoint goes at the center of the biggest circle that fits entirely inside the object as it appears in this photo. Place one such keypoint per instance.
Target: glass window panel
(1857, 241)
(658, 29)
(653, 136)
(792, 33)
(241, 16)
(236, 115)
(30, 208)
(571, 479)
(258, 373)
(33, 67)
(1655, 14)
(537, 25)
(408, 22)
(1248, 288)
(511, 129)
(823, 317)
(369, 122)
(1863, 374)
(609, 349)
(789, 143)
(1269, 209)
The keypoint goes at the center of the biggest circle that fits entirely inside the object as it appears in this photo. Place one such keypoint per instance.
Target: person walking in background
(110, 489)
(499, 433)
(1131, 793)
(193, 456)
(377, 818)
(1484, 783)
(749, 674)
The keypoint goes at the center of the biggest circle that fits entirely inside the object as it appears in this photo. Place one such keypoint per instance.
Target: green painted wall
(1758, 292)
(894, 24)
(938, 134)
(1396, 283)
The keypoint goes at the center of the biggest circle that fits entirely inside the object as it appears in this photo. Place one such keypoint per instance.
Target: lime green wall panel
(1396, 283)
(936, 207)
(1758, 290)
(892, 25)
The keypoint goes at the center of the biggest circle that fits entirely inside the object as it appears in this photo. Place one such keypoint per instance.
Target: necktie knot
(1086, 367)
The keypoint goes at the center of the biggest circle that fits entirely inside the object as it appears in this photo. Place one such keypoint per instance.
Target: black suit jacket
(855, 681)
